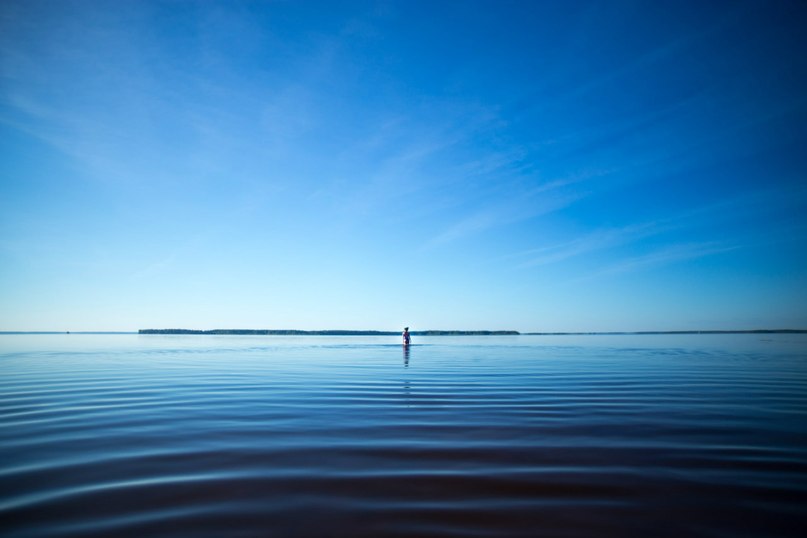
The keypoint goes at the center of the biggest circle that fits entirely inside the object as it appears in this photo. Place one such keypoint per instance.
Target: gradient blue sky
(538, 166)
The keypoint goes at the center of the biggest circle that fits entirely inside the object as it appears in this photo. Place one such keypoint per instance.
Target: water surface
(129, 435)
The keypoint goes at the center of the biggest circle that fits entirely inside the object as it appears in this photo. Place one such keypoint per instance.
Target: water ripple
(329, 437)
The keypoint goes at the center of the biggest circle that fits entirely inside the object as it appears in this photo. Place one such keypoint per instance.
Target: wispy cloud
(597, 240)
(665, 256)
(421, 160)
(510, 211)
(744, 206)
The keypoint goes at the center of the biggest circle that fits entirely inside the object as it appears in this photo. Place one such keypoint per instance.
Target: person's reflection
(407, 393)
(407, 389)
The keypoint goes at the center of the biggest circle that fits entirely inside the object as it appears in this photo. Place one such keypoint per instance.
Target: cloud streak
(597, 240)
(665, 256)
(511, 211)
(745, 206)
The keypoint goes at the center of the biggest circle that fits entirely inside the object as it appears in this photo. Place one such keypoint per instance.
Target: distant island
(294, 332)
(339, 332)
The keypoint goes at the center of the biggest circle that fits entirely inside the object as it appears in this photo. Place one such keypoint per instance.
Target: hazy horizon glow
(536, 166)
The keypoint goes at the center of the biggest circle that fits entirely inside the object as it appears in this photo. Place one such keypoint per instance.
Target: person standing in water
(406, 338)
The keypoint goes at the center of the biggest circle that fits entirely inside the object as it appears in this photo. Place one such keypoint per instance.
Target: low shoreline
(335, 332)
(294, 332)
(338, 332)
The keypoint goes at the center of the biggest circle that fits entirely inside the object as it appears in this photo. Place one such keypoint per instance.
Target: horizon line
(425, 332)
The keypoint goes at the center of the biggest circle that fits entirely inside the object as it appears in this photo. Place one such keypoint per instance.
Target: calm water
(127, 435)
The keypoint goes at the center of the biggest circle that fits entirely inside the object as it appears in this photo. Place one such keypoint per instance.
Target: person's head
(406, 329)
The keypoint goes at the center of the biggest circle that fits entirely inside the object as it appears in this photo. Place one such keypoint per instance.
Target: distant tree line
(294, 332)
(466, 333)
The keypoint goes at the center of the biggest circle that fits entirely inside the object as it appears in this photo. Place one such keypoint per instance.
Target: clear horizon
(416, 331)
(535, 166)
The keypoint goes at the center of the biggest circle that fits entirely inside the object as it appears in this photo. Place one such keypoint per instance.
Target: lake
(646, 435)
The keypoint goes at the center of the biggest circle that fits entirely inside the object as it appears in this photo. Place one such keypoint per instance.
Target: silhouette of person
(406, 338)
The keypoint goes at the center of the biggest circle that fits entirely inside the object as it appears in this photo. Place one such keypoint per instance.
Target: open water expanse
(128, 435)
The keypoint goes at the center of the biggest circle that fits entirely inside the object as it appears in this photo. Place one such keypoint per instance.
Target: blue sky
(538, 166)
